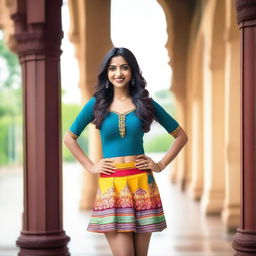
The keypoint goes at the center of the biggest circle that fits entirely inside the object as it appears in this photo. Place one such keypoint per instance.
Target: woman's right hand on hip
(103, 166)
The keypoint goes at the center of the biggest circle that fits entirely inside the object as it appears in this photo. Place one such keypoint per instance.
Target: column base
(244, 242)
(212, 202)
(231, 218)
(43, 244)
(194, 191)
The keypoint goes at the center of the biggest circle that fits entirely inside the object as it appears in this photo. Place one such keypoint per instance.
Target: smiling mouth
(119, 79)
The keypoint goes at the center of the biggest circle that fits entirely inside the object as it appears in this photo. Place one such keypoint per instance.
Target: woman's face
(119, 72)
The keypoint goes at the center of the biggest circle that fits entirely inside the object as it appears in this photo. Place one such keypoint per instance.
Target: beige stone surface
(204, 55)
(189, 231)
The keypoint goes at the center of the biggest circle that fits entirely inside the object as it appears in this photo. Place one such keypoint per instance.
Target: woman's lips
(119, 79)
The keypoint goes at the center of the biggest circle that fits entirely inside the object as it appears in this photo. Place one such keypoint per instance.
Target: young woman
(128, 207)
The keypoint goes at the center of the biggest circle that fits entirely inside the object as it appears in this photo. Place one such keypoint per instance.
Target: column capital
(246, 10)
(37, 42)
(36, 32)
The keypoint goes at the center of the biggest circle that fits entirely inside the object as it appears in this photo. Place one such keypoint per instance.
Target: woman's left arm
(145, 162)
(180, 141)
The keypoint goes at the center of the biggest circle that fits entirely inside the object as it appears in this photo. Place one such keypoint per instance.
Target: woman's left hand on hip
(144, 162)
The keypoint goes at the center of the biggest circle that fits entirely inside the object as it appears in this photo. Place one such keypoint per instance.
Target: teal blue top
(121, 134)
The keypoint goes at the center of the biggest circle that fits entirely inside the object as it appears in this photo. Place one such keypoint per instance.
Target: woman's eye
(111, 68)
(125, 67)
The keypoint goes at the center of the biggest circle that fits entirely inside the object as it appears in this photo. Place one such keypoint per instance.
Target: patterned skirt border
(129, 203)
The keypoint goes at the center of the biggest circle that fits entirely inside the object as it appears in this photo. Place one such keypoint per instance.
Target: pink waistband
(124, 172)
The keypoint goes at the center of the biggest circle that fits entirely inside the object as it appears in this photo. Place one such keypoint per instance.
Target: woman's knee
(141, 243)
(121, 243)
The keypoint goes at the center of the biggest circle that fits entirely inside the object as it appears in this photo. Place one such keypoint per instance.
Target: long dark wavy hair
(140, 95)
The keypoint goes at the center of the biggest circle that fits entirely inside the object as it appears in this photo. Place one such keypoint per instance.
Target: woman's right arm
(103, 166)
(78, 153)
(84, 117)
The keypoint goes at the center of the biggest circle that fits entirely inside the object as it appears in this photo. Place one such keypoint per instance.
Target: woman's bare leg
(121, 243)
(141, 243)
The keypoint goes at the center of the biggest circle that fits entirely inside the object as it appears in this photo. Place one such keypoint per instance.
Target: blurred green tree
(10, 82)
(10, 106)
(9, 67)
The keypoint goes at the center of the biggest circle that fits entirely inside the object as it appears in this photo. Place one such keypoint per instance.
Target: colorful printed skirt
(127, 201)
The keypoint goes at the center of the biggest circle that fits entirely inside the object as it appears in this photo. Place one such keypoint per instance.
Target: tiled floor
(189, 232)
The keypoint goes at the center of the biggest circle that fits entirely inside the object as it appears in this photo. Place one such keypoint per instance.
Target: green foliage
(10, 102)
(166, 99)
(11, 139)
(11, 134)
(10, 107)
(159, 140)
(163, 94)
(158, 143)
(11, 73)
(69, 113)
(4, 123)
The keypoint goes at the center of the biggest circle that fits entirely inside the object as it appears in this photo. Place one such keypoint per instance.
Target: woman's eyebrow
(120, 65)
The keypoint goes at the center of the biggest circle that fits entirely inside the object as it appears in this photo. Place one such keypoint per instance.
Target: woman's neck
(121, 93)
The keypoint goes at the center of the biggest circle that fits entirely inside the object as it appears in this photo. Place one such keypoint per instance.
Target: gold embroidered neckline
(124, 113)
(121, 120)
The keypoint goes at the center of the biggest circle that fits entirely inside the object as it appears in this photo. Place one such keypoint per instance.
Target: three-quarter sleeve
(84, 117)
(165, 119)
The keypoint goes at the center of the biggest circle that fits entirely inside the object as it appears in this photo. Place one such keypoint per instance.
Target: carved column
(231, 211)
(195, 121)
(245, 238)
(38, 34)
(177, 47)
(213, 100)
(91, 37)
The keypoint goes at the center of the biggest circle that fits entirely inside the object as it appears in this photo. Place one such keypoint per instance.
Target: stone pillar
(245, 238)
(231, 211)
(91, 37)
(195, 187)
(38, 34)
(213, 193)
(196, 153)
(177, 47)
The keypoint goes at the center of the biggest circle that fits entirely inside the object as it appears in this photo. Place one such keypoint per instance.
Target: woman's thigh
(141, 243)
(121, 243)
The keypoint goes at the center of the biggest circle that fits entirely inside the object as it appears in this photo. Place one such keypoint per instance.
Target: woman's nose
(118, 71)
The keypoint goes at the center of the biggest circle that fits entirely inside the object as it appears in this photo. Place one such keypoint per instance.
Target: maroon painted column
(245, 239)
(38, 35)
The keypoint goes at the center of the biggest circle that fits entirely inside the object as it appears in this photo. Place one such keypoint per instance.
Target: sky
(138, 25)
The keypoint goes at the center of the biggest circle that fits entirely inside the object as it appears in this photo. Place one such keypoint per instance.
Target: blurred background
(157, 72)
(189, 55)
